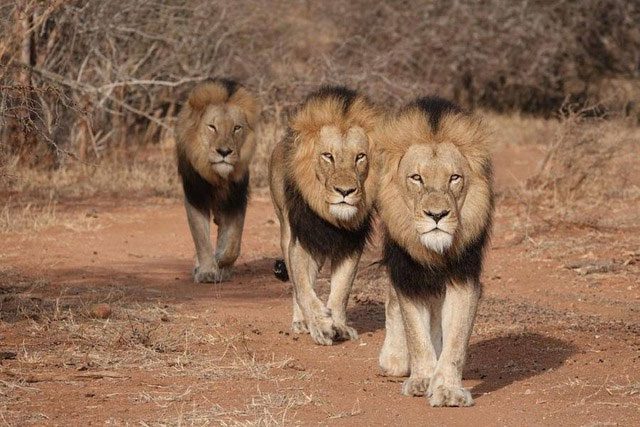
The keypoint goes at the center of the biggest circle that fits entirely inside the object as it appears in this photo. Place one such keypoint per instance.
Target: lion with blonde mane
(215, 141)
(323, 191)
(435, 201)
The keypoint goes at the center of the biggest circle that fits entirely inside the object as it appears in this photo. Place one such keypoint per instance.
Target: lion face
(326, 155)
(435, 197)
(223, 131)
(433, 187)
(342, 167)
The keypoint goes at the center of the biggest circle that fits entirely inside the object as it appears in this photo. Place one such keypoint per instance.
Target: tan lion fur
(468, 134)
(350, 123)
(188, 128)
(299, 159)
(430, 170)
(219, 115)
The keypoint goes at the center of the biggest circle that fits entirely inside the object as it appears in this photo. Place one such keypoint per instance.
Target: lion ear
(249, 105)
(205, 94)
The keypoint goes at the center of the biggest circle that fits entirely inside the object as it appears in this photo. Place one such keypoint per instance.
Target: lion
(215, 141)
(323, 192)
(435, 203)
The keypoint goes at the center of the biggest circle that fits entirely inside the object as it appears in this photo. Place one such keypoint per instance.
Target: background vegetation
(85, 81)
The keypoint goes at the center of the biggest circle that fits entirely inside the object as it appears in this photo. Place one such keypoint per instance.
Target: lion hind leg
(343, 272)
(304, 270)
(394, 355)
(281, 270)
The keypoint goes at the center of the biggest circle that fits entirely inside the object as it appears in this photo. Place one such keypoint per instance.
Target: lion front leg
(303, 271)
(230, 227)
(206, 269)
(458, 314)
(422, 355)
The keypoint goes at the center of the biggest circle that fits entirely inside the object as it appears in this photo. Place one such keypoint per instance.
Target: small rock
(7, 355)
(100, 311)
(294, 365)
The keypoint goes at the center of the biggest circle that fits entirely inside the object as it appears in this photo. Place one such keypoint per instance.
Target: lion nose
(344, 191)
(437, 216)
(224, 151)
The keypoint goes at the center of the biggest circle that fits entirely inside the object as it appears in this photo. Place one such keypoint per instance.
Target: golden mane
(328, 107)
(188, 144)
(468, 134)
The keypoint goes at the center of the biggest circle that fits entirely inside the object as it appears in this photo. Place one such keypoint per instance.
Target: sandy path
(550, 346)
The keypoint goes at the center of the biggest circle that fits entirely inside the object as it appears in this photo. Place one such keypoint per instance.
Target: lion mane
(311, 222)
(415, 270)
(203, 187)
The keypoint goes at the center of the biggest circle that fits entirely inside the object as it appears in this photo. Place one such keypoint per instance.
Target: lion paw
(442, 395)
(225, 274)
(415, 386)
(211, 276)
(344, 332)
(394, 365)
(299, 327)
(322, 329)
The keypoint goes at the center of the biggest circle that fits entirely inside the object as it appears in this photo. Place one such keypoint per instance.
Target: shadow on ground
(504, 360)
(138, 281)
(366, 317)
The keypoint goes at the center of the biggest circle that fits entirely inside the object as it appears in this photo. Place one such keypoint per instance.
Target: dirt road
(557, 340)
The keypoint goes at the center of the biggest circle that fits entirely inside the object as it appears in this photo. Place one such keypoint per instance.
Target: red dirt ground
(556, 341)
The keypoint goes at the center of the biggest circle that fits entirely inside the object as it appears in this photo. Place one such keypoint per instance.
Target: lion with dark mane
(323, 191)
(435, 201)
(215, 141)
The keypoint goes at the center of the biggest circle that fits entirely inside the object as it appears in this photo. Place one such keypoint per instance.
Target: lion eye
(455, 178)
(328, 157)
(213, 128)
(415, 177)
(237, 128)
(360, 156)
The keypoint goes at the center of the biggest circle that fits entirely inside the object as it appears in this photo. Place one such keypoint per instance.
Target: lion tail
(280, 270)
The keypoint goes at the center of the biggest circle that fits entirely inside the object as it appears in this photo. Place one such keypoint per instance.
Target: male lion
(323, 194)
(435, 201)
(215, 137)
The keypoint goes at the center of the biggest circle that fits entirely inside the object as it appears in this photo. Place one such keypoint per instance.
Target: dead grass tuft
(111, 177)
(263, 409)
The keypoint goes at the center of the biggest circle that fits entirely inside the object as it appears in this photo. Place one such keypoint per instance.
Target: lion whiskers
(343, 211)
(437, 240)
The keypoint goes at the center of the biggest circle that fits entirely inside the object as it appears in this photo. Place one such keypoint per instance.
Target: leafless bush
(83, 77)
(589, 159)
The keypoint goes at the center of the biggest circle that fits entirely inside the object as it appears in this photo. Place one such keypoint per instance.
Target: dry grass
(115, 176)
(262, 409)
(149, 172)
(520, 129)
(63, 343)
(586, 171)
